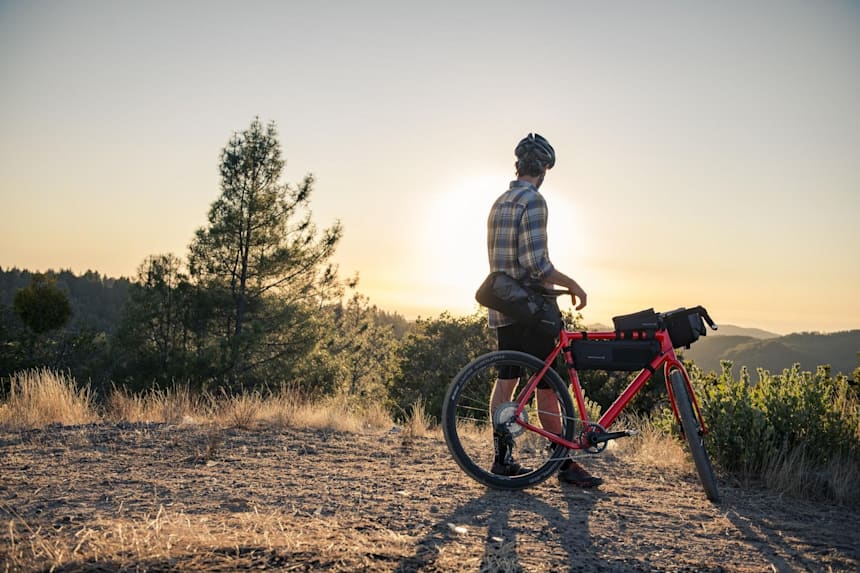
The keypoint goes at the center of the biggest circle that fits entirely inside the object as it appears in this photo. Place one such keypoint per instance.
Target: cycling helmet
(535, 146)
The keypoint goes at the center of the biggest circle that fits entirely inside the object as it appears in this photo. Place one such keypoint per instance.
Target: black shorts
(514, 337)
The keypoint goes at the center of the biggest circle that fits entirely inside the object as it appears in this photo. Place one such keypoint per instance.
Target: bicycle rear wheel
(468, 427)
(693, 434)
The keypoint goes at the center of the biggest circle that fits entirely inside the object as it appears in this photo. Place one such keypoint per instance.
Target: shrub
(796, 431)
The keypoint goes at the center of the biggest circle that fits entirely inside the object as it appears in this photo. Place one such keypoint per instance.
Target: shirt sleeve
(533, 252)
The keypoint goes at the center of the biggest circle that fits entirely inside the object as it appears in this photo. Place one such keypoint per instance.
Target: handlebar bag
(685, 326)
(624, 355)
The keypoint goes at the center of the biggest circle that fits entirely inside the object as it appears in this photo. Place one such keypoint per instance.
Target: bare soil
(157, 497)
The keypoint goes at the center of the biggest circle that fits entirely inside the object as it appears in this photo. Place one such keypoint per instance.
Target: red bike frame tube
(526, 393)
(666, 359)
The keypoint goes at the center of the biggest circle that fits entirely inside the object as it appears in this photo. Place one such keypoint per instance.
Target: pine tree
(261, 260)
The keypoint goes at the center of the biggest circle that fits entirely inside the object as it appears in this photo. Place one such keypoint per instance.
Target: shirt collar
(520, 184)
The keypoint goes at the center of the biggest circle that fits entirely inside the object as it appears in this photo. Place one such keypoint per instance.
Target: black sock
(502, 445)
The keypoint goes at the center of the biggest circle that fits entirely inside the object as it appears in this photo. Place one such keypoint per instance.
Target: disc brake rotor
(505, 416)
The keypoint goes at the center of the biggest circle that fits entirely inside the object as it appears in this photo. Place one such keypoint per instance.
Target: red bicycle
(542, 425)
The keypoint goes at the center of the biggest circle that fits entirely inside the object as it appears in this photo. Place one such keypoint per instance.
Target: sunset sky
(708, 152)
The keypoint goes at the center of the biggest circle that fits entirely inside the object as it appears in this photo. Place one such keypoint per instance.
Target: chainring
(587, 435)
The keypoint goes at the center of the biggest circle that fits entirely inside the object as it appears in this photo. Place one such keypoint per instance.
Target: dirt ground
(157, 497)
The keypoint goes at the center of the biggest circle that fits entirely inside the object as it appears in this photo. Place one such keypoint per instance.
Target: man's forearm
(557, 277)
(577, 295)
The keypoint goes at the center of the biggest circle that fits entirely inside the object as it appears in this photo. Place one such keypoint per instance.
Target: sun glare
(454, 251)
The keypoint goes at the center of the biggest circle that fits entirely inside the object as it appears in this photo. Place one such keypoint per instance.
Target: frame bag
(615, 355)
(522, 302)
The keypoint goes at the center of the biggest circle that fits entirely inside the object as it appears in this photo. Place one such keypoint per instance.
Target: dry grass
(285, 408)
(337, 413)
(791, 472)
(418, 423)
(178, 541)
(41, 397)
(240, 411)
(173, 405)
(652, 445)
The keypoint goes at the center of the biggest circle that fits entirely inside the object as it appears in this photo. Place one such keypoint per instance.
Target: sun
(453, 252)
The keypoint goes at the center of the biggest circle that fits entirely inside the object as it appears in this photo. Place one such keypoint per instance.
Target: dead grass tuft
(239, 411)
(173, 405)
(40, 397)
(652, 446)
(123, 406)
(792, 472)
(418, 422)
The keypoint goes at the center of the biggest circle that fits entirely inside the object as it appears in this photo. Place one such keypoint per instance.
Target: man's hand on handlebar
(578, 293)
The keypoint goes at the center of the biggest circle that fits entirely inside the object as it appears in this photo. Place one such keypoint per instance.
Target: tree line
(255, 303)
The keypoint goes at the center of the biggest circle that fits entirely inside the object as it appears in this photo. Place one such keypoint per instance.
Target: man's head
(534, 156)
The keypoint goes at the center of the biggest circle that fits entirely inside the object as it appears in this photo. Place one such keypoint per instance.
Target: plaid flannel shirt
(517, 238)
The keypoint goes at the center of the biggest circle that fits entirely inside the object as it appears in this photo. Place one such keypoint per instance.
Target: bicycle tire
(693, 435)
(468, 429)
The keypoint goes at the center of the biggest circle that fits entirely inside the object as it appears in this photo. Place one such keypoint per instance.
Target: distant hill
(732, 330)
(724, 330)
(839, 350)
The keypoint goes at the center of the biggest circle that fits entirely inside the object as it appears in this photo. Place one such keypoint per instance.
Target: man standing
(517, 246)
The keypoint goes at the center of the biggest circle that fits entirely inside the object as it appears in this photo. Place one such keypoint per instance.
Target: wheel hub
(505, 416)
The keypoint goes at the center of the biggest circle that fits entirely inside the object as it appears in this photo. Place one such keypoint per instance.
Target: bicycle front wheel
(469, 427)
(694, 435)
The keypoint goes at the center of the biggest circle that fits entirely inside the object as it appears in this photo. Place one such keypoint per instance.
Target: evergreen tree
(365, 350)
(153, 338)
(261, 261)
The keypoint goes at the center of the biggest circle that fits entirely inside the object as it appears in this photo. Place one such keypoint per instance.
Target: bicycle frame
(666, 359)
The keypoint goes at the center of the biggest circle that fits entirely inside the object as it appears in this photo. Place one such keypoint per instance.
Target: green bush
(796, 423)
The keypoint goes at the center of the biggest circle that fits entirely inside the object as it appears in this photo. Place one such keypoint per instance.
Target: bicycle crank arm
(607, 436)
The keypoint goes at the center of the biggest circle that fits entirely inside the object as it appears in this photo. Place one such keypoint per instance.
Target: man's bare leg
(549, 411)
(503, 392)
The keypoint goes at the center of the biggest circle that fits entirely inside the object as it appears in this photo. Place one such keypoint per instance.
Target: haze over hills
(732, 330)
(841, 350)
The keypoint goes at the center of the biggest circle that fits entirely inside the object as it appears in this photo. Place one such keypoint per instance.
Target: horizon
(707, 154)
(430, 315)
